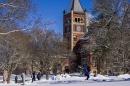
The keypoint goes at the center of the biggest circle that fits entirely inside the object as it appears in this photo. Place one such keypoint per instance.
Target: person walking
(16, 79)
(86, 71)
(39, 76)
(23, 78)
(33, 76)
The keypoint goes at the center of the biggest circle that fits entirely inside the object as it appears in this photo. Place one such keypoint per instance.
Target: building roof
(76, 6)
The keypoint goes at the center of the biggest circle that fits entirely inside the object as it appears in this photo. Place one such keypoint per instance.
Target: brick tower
(75, 24)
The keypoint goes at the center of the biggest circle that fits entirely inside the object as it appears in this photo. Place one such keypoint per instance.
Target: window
(67, 29)
(69, 21)
(81, 20)
(76, 20)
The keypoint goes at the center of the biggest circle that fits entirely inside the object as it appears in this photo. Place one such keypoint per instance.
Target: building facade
(74, 24)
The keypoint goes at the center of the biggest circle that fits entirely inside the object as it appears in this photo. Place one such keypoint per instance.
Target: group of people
(34, 76)
(22, 77)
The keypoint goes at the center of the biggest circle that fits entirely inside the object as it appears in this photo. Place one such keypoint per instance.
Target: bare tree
(48, 48)
(13, 47)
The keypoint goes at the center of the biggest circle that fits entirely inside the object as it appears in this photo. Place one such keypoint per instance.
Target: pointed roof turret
(76, 6)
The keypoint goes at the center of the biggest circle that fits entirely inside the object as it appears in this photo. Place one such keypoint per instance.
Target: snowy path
(66, 80)
(85, 83)
(122, 83)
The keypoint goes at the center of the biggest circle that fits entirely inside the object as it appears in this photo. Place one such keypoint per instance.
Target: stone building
(75, 27)
(75, 22)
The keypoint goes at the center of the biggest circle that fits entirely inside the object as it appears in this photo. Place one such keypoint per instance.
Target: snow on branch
(13, 31)
(10, 5)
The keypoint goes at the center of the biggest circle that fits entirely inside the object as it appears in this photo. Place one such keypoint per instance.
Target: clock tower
(75, 22)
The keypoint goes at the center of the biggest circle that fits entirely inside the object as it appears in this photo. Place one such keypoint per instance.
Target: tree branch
(13, 31)
(9, 5)
(5, 4)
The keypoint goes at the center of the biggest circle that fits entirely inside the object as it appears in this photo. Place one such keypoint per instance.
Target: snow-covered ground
(75, 80)
(124, 76)
(88, 83)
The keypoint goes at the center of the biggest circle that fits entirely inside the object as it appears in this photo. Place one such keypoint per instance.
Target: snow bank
(75, 74)
(124, 76)
(101, 78)
(67, 77)
(61, 77)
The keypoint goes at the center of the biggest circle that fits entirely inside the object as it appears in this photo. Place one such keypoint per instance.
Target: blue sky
(52, 10)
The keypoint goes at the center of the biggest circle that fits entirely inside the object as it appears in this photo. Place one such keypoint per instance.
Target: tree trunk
(32, 66)
(98, 65)
(47, 75)
(5, 75)
(9, 75)
(41, 67)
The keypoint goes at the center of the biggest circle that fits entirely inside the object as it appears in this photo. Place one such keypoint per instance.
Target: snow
(65, 78)
(85, 83)
(124, 76)
(101, 78)
(62, 76)
(74, 80)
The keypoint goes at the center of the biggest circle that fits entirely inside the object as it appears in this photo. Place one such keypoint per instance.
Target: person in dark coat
(88, 74)
(16, 79)
(86, 71)
(39, 76)
(33, 76)
(23, 78)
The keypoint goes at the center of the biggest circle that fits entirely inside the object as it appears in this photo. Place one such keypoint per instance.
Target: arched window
(76, 20)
